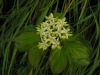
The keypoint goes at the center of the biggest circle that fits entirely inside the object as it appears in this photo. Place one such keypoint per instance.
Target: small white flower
(43, 45)
(52, 31)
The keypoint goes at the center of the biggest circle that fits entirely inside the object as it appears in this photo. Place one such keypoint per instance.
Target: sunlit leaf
(26, 40)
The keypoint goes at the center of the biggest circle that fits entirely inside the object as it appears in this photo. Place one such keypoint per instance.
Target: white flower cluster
(52, 31)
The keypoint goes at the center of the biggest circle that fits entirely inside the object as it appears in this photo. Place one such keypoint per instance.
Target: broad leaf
(26, 40)
(57, 61)
(35, 55)
(77, 51)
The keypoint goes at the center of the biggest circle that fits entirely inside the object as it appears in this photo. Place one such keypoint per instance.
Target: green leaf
(59, 15)
(35, 55)
(57, 61)
(77, 51)
(28, 28)
(26, 40)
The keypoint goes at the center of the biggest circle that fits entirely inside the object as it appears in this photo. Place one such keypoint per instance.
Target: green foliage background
(18, 53)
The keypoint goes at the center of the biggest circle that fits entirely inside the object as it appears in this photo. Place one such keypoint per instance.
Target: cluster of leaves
(73, 51)
(18, 39)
